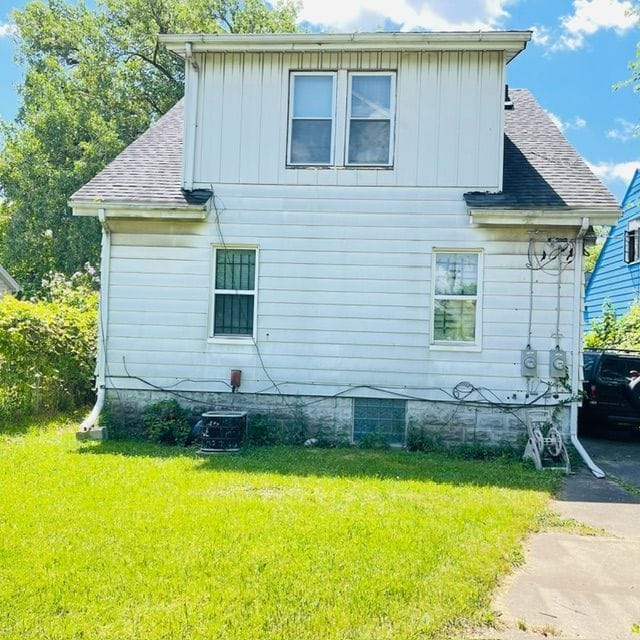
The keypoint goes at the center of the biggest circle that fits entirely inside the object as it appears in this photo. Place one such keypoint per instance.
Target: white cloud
(588, 17)
(7, 29)
(541, 35)
(612, 172)
(434, 15)
(624, 132)
(576, 122)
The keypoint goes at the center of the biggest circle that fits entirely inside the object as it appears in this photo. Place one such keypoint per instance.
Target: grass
(127, 540)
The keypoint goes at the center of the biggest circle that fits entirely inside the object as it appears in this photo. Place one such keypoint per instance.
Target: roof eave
(511, 42)
(543, 216)
(147, 210)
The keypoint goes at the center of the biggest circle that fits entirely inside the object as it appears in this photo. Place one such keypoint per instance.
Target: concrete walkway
(582, 587)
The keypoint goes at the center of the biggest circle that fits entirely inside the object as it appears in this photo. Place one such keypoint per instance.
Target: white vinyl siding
(343, 294)
(448, 129)
(456, 298)
(234, 293)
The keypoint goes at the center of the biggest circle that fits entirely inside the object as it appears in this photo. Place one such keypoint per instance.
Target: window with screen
(234, 295)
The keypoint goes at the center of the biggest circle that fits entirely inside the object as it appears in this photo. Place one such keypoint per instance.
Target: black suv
(611, 401)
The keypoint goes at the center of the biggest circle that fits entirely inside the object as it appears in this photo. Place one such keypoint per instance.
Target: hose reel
(545, 445)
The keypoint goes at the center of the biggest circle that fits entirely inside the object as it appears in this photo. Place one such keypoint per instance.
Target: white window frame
(631, 243)
(392, 117)
(454, 345)
(341, 119)
(231, 339)
(292, 83)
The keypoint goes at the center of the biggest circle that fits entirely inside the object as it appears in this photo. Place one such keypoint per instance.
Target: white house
(365, 225)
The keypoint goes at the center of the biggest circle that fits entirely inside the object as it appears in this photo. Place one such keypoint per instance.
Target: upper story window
(632, 242)
(341, 118)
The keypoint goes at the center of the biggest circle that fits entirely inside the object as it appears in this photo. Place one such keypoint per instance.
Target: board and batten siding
(613, 280)
(343, 296)
(449, 119)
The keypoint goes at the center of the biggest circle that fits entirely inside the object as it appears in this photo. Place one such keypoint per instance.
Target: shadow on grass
(348, 463)
(24, 425)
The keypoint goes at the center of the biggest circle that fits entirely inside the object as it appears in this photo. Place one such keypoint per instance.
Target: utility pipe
(577, 350)
(103, 311)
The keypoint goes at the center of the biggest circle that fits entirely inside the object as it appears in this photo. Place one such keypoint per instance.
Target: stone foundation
(447, 423)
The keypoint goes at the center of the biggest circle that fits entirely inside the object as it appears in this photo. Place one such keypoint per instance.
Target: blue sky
(580, 49)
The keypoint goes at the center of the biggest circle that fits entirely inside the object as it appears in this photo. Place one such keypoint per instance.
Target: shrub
(419, 438)
(374, 440)
(122, 420)
(47, 354)
(166, 422)
(610, 331)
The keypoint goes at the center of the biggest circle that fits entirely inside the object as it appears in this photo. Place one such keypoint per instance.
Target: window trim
(631, 242)
(457, 345)
(290, 118)
(392, 118)
(230, 339)
(341, 117)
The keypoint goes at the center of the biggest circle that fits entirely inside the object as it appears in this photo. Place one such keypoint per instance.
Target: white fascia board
(570, 217)
(511, 42)
(140, 210)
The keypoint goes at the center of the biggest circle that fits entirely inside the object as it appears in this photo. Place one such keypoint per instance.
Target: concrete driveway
(582, 587)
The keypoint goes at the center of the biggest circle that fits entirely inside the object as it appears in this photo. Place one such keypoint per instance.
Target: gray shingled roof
(147, 171)
(541, 168)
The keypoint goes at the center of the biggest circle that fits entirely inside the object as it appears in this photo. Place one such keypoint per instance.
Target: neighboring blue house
(616, 276)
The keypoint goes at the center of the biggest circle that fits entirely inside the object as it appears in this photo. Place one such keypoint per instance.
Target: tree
(95, 78)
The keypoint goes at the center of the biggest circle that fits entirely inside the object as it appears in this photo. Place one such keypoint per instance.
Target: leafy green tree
(605, 330)
(95, 78)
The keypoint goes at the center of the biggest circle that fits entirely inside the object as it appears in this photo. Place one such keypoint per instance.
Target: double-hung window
(632, 242)
(312, 108)
(456, 298)
(234, 292)
(369, 130)
(341, 118)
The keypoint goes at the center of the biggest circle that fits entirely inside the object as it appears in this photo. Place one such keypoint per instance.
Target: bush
(612, 332)
(374, 440)
(47, 354)
(166, 422)
(419, 438)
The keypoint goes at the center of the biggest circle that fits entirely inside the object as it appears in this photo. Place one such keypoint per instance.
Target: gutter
(577, 350)
(89, 429)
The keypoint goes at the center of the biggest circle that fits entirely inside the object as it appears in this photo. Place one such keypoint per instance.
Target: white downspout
(103, 310)
(577, 351)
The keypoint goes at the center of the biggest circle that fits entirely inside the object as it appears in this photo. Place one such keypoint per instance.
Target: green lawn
(126, 540)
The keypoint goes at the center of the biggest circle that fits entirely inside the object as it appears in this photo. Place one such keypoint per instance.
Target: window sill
(246, 340)
(455, 346)
(350, 167)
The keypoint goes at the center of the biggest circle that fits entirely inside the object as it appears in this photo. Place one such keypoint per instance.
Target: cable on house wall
(253, 340)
